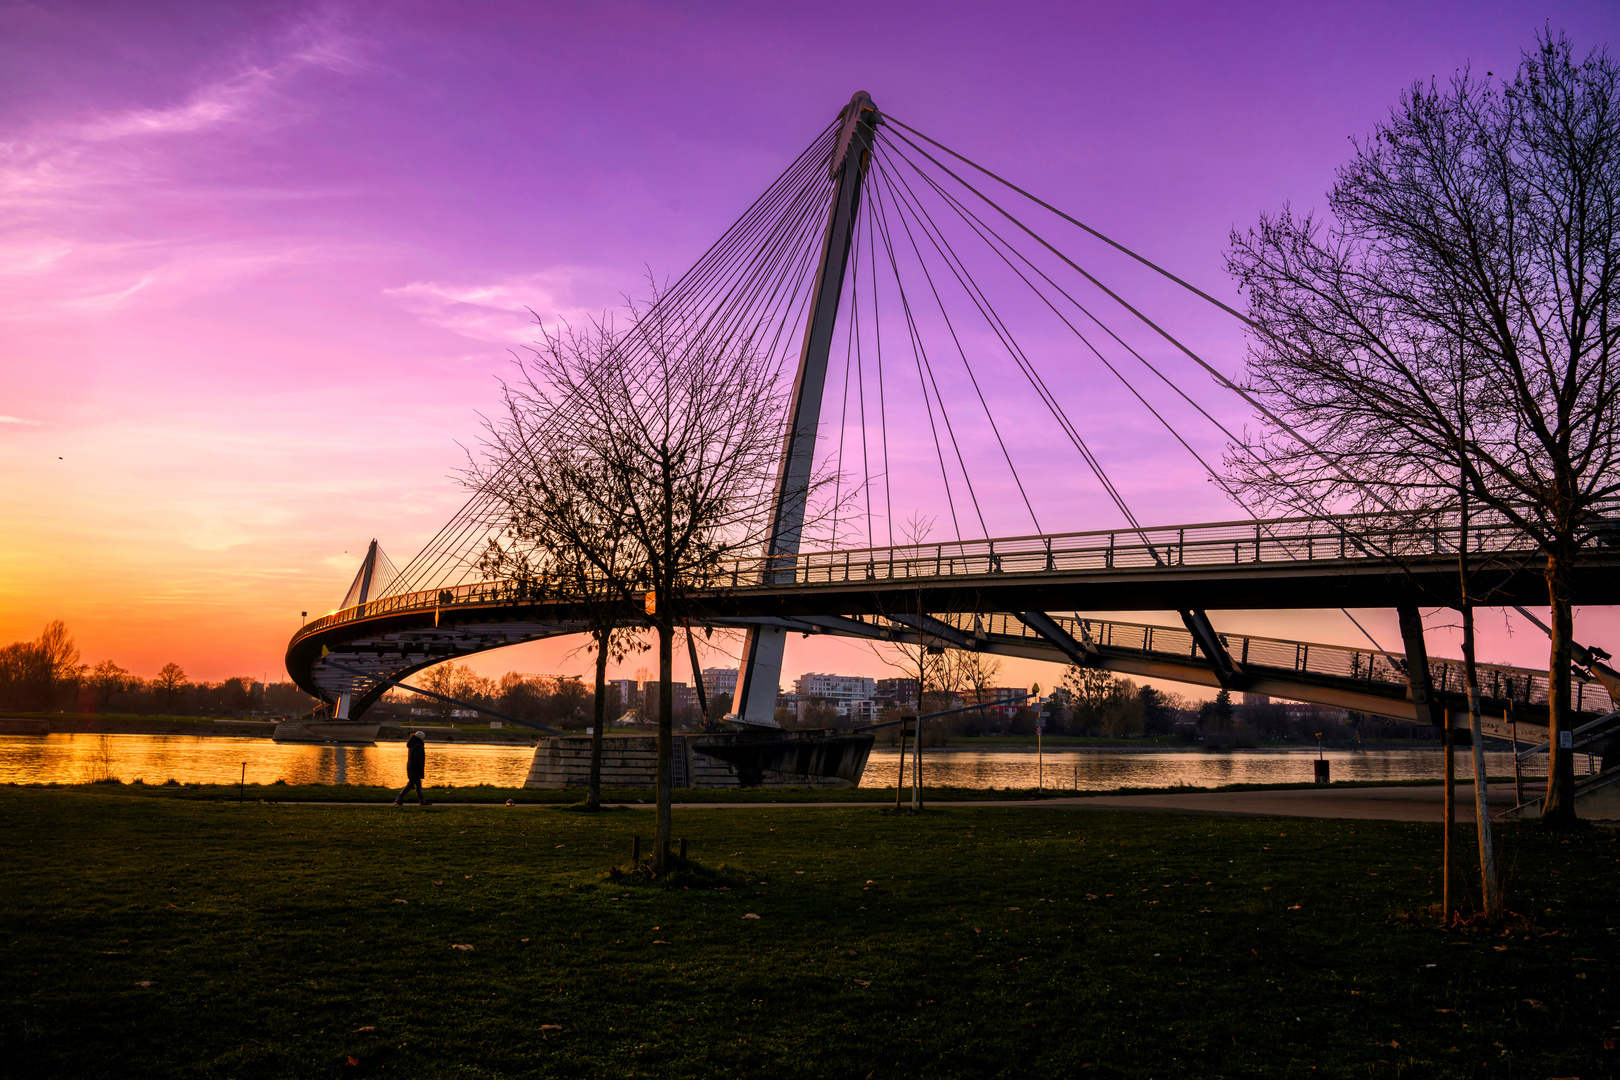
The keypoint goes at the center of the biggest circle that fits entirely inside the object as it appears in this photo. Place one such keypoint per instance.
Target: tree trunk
(900, 777)
(916, 736)
(1559, 806)
(1451, 821)
(1490, 885)
(666, 738)
(593, 792)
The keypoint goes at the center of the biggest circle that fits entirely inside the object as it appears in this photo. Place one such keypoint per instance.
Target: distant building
(682, 698)
(720, 680)
(834, 687)
(1003, 701)
(1256, 699)
(629, 692)
(850, 695)
(893, 693)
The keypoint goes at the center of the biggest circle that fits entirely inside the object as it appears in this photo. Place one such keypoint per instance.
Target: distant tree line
(48, 674)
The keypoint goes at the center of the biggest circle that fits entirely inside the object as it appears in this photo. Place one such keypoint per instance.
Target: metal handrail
(1363, 537)
(1499, 682)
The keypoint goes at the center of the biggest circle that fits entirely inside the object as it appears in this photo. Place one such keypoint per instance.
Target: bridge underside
(391, 645)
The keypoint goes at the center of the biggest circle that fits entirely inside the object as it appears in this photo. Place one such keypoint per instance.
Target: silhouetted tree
(169, 685)
(678, 435)
(1474, 256)
(107, 681)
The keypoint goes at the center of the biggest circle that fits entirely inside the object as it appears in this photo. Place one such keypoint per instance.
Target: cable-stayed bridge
(975, 356)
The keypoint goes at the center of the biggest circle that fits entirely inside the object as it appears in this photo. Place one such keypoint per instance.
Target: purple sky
(262, 263)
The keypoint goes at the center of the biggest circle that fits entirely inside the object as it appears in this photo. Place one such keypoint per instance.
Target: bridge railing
(1357, 537)
(1498, 682)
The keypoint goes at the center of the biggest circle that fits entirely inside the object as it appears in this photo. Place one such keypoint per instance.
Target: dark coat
(415, 759)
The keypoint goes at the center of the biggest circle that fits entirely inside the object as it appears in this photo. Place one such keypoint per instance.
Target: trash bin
(1321, 770)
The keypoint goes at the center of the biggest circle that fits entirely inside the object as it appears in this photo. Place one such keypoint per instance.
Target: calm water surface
(195, 759)
(215, 759)
(1104, 771)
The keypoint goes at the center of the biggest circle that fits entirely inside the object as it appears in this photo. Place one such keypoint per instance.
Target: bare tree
(684, 430)
(1473, 255)
(977, 671)
(170, 682)
(561, 535)
(107, 681)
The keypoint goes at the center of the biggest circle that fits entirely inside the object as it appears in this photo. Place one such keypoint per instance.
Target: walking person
(415, 767)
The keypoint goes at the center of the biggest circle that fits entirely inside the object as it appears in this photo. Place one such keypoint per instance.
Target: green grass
(974, 942)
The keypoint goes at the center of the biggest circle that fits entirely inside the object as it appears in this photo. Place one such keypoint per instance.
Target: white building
(843, 691)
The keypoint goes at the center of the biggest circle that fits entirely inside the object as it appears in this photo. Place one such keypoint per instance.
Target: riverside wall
(632, 761)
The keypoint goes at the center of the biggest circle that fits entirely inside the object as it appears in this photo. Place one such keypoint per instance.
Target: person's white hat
(421, 734)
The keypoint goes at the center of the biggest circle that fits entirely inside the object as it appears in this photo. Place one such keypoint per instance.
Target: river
(191, 759)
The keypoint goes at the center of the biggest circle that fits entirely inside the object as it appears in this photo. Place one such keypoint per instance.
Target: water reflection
(191, 759)
(213, 759)
(1084, 770)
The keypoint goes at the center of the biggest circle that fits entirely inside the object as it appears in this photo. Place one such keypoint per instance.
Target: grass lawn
(178, 938)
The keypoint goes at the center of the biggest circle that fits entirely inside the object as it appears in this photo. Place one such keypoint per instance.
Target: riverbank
(188, 939)
(493, 795)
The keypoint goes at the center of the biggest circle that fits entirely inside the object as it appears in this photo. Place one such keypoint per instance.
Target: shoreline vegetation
(181, 938)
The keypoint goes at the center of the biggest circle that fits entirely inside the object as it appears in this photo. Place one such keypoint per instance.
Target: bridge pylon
(759, 677)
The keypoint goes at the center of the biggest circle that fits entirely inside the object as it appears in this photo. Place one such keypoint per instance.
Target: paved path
(1385, 804)
(1377, 803)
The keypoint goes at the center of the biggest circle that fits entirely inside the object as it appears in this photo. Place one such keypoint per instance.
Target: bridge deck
(1365, 561)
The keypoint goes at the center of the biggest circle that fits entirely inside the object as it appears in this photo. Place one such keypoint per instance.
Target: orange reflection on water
(214, 759)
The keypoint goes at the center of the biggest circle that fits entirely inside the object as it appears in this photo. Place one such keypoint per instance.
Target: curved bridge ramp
(386, 640)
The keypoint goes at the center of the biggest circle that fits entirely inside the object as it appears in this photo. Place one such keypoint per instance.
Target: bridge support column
(1203, 632)
(760, 674)
(1418, 681)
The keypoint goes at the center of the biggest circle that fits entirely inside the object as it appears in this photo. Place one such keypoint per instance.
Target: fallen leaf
(551, 1027)
(147, 982)
(1091, 896)
(463, 948)
(438, 883)
(368, 1027)
(353, 1061)
(656, 942)
(401, 901)
(1293, 907)
(861, 982)
(750, 915)
(1536, 1005)
(524, 940)
(559, 845)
